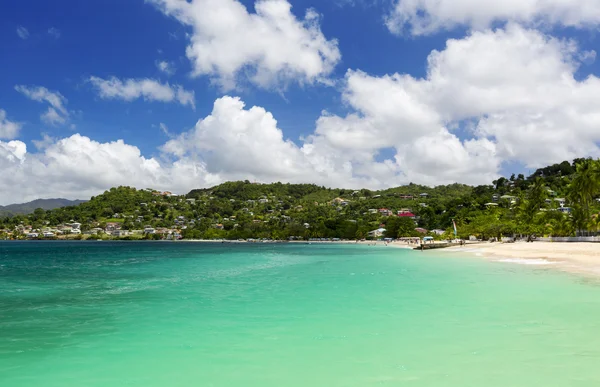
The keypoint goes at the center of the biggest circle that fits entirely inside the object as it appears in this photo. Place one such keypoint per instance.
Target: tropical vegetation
(559, 200)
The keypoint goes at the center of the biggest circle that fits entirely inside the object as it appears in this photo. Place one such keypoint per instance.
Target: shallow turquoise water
(162, 314)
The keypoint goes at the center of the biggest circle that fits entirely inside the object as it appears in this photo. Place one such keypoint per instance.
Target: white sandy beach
(575, 257)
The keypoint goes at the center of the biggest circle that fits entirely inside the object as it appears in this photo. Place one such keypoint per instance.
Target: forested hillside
(556, 200)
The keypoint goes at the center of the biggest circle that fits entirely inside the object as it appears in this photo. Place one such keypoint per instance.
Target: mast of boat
(455, 232)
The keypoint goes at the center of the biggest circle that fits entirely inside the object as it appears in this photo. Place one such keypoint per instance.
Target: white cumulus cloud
(78, 167)
(8, 129)
(57, 113)
(512, 91)
(269, 47)
(494, 96)
(148, 89)
(421, 17)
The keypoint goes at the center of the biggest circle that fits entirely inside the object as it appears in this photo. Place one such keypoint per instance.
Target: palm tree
(583, 188)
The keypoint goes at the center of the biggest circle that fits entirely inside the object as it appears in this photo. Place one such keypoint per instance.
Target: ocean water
(191, 314)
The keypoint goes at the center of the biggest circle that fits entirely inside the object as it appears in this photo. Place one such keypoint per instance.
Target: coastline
(572, 257)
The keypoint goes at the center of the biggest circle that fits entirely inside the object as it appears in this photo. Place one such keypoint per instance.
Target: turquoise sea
(191, 314)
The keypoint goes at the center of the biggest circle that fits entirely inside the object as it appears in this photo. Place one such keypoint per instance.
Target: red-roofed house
(406, 214)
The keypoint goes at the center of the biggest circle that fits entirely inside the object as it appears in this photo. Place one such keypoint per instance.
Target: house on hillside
(110, 227)
(94, 231)
(421, 230)
(424, 195)
(377, 233)
(405, 213)
(385, 212)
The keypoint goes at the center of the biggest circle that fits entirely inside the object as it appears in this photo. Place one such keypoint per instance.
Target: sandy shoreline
(576, 257)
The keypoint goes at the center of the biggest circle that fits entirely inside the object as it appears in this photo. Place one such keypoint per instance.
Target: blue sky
(61, 45)
(127, 38)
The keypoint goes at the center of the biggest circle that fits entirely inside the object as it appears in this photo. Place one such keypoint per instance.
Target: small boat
(431, 246)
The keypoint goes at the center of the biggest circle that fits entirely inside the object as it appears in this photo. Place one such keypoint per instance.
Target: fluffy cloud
(231, 143)
(271, 46)
(420, 17)
(148, 89)
(57, 112)
(8, 129)
(79, 167)
(22, 32)
(511, 92)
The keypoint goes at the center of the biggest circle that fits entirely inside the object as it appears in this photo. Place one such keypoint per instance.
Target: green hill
(515, 205)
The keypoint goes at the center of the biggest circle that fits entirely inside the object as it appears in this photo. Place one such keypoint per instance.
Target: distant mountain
(28, 208)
